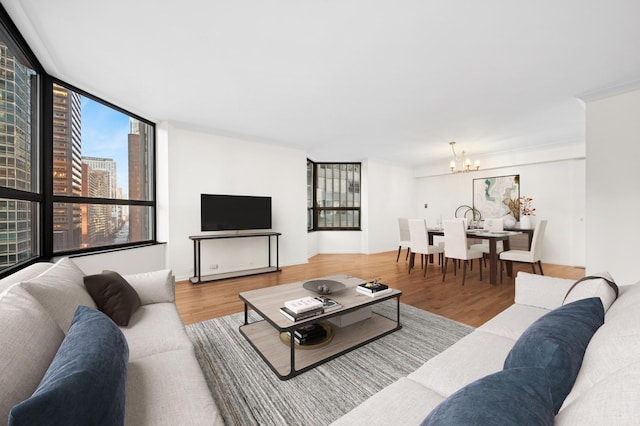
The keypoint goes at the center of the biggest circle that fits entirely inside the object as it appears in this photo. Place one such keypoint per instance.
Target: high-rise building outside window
(333, 196)
(103, 173)
(18, 163)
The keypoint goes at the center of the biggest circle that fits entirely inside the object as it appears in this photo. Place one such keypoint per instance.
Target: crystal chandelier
(464, 162)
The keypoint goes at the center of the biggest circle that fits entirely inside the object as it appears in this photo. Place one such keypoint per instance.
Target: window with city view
(102, 174)
(333, 196)
(19, 197)
(76, 173)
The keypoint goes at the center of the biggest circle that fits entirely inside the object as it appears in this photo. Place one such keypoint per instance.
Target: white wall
(557, 189)
(612, 180)
(389, 196)
(206, 163)
(196, 162)
(125, 262)
(386, 195)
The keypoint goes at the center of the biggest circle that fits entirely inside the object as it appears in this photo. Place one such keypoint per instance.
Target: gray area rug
(247, 392)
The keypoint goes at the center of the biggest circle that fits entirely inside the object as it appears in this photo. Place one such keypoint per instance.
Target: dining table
(493, 237)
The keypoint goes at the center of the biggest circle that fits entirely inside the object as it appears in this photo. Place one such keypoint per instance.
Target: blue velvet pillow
(519, 396)
(85, 383)
(557, 341)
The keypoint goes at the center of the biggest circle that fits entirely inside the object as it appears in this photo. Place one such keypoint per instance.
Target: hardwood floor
(473, 304)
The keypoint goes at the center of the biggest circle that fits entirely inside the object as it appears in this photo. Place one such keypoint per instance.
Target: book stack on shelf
(373, 289)
(310, 334)
(302, 308)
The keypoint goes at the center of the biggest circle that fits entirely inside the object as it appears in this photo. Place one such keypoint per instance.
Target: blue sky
(105, 134)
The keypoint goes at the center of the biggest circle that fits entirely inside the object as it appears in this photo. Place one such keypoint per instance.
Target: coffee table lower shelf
(265, 339)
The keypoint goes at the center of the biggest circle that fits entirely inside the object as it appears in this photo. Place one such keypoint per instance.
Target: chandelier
(465, 163)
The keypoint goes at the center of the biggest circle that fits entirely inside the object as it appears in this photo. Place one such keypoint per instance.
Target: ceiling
(347, 80)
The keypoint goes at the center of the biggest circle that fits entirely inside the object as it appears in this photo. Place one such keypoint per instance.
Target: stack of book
(373, 289)
(302, 308)
(309, 334)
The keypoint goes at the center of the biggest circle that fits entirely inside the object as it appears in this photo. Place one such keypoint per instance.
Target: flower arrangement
(514, 208)
(521, 206)
(526, 206)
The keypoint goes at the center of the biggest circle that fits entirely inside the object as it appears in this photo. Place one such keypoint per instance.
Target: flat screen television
(234, 212)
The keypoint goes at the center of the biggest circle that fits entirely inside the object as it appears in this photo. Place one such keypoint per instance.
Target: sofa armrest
(154, 287)
(541, 291)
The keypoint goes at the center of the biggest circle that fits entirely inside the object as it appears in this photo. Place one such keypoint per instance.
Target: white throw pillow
(615, 346)
(613, 401)
(29, 339)
(60, 289)
(153, 287)
(593, 287)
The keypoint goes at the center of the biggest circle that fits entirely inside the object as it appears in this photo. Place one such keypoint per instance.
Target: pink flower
(526, 207)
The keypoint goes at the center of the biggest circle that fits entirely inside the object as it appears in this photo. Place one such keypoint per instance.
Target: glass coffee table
(288, 360)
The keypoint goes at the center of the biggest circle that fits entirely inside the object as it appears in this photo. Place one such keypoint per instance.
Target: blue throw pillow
(85, 383)
(557, 341)
(519, 396)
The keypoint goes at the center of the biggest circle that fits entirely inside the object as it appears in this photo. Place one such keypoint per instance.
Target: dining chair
(405, 239)
(455, 247)
(491, 225)
(532, 256)
(420, 244)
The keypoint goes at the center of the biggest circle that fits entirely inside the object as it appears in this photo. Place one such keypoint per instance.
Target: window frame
(73, 199)
(42, 154)
(17, 43)
(313, 211)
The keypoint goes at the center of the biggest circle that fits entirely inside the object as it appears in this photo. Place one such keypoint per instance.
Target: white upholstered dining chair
(420, 244)
(491, 225)
(532, 256)
(405, 238)
(455, 247)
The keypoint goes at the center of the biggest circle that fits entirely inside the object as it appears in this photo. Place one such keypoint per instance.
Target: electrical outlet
(213, 266)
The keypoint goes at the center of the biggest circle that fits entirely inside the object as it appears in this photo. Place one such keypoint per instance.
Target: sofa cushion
(403, 402)
(154, 287)
(540, 290)
(60, 289)
(513, 321)
(85, 383)
(472, 357)
(596, 285)
(113, 295)
(519, 396)
(613, 347)
(155, 328)
(628, 298)
(24, 274)
(614, 401)
(178, 396)
(29, 339)
(557, 342)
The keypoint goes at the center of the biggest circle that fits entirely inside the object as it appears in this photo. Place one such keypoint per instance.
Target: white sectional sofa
(164, 382)
(606, 390)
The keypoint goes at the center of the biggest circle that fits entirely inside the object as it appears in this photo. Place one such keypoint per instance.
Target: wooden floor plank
(473, 304)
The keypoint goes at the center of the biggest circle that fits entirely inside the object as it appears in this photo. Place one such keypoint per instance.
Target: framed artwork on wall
(496, 197)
